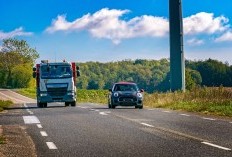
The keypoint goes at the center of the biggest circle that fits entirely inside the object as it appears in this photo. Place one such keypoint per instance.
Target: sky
(114, 30)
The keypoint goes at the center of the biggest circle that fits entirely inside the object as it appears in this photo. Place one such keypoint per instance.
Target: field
(213, 101)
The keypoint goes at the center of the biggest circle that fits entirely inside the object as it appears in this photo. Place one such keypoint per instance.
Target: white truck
(56, 82)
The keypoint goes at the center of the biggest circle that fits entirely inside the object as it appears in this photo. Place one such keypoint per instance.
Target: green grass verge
(5, 104)
(29, 92)
(214, 101)
(2, 140)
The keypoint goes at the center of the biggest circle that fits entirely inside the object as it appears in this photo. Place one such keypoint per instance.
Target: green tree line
(153, 75)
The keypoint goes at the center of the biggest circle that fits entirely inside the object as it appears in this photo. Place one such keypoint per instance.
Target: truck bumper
(48, 98)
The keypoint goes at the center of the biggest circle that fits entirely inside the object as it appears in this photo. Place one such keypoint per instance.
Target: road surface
(94, 130)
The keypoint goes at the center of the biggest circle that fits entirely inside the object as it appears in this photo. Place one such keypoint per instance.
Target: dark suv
(125, 94)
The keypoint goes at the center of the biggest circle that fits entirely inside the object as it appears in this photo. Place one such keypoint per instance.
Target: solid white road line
(147, 125)
(43, 133)
(185, 115)
(208, 118)
(51, 145)
(39, 126)
(217, 146)
(31, 120)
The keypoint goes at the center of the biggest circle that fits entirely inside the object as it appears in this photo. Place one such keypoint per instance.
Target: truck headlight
(139, 95)
(43, 94)
(70, 93)
(116, 94)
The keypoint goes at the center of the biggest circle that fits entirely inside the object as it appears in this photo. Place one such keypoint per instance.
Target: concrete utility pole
(177, 61)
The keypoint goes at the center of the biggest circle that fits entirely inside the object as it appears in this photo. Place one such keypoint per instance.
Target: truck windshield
(55, 71)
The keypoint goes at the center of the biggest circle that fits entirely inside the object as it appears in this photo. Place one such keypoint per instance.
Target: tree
(15, 53)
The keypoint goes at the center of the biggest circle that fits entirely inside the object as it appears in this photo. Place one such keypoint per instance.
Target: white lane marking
(208, 118)
(107, 111)
(25, 105)
(96, 110)
(147, 125)
(217, 146)
(43, 133)
(166, 111)
(30, 120)
(150, 109)
(51, 145)
(231, 122)
(103, 113)
(39, 126)
(185, 115)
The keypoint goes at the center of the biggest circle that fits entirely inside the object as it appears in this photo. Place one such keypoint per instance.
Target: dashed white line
(31, 112)
(208, 118)
(30, 120)
(39, 126)
(43, 133)
(217, 146)
(51, 145)
(147, 125)
(166, 111)
(185, 115)
(103, 113)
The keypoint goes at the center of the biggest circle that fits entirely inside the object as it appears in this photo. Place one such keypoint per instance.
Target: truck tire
(45, 104)
(66, 104)
(40, 105)
(73, 104)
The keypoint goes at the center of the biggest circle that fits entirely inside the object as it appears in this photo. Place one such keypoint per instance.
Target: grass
(2, 140)
(5, 104)
(29, 92)
(212, 100)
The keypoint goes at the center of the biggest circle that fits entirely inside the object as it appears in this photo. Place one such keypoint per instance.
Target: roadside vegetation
(2, 140)
(207, 100)
(5, 104)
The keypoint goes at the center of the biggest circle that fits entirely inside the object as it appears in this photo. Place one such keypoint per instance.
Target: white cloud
(17, 32)
(227, 36)
(205, 23)
(108, 24)
(195, 42)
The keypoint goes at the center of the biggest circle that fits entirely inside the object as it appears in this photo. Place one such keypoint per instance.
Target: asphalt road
(94, 130)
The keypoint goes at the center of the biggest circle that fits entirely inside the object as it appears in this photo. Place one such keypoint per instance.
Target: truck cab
(56, 82)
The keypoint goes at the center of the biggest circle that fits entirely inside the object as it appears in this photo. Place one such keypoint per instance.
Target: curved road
(94, 130)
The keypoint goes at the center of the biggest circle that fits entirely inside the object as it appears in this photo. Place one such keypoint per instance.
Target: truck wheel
(66, 103)
(40, 105)
(73, 103)
(45, 104)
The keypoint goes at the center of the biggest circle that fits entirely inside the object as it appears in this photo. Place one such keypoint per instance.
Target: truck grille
(61, 91)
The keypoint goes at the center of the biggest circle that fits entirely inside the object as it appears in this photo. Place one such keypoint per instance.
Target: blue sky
(113, 30)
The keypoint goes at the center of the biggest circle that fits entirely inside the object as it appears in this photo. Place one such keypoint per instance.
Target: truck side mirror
(34, 69)
(78, 73)
(34, 74)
